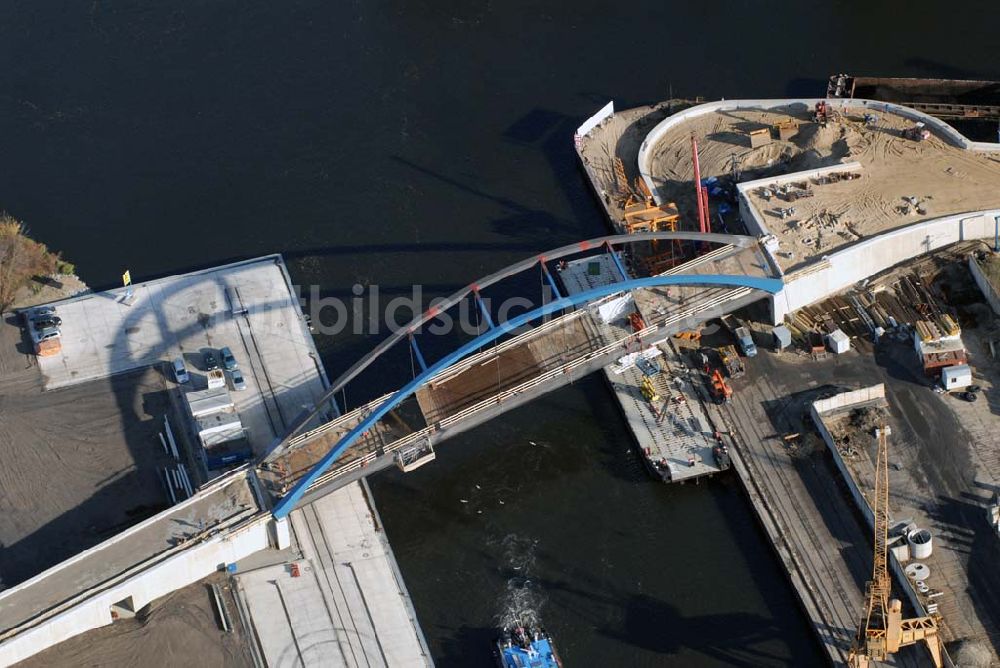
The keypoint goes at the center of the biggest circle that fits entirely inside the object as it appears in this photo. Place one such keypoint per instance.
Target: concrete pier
(348, 589)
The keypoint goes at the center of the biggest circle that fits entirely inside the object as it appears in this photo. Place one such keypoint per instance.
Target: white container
(956, 377)
(216, 379)
(838, 341)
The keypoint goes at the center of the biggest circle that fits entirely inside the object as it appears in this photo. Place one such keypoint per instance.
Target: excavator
(882, 630)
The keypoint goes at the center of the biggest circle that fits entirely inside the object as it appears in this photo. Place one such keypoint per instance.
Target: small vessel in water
(526, 647)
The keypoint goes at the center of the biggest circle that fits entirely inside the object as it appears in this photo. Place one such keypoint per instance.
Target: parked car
(228, 361)
(208, 359)
(236, 378)
(41, 311)
(46, 334)
(46, 322)
(181, 374)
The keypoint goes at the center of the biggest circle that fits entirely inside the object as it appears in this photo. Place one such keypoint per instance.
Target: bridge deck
(308, 448)
(569, 340)
(531, 364)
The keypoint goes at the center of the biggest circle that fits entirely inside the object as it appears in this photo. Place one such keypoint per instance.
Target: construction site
(881, 221)
(801, 293)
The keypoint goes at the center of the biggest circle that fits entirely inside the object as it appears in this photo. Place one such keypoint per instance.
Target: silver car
(236, 378)
(46, 334)
(180, 371)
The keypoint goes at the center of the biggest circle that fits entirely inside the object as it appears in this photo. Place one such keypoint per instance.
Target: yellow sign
(127, 278)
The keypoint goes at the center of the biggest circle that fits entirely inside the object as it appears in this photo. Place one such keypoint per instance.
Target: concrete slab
(61, 583)
(348, 606)
(248, 306)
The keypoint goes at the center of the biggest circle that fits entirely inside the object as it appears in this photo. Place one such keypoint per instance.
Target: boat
(526, 647)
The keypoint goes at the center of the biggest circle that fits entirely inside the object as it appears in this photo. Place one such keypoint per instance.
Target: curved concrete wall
(840, 270)
(797, 104)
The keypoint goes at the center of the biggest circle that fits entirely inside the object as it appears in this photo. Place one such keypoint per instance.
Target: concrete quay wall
(840, 270)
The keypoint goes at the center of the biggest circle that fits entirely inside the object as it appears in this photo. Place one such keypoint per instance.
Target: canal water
(430, 142)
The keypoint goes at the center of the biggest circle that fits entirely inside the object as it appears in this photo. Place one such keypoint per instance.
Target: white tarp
(615, 309)
(626, 362)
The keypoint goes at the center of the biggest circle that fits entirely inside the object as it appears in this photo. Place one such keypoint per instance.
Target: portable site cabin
(956, 377)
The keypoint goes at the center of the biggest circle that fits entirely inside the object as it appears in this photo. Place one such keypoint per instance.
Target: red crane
(701, 193)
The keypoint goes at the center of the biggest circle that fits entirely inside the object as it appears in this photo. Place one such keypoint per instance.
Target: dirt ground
(180, 629)
(621, 136)
(45, 289)
(942, 178)
(80, 464)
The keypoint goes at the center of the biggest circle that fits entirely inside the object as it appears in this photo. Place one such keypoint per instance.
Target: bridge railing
(418, 436)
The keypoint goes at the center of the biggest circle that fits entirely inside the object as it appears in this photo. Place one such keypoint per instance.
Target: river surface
(430, 142)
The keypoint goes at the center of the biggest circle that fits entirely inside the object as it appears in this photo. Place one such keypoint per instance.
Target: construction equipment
(648, 216)
(688, 335)
(721, 391)
(741, 334)
(732, 361)
(641, 213)
(648, 391)
(882, 630)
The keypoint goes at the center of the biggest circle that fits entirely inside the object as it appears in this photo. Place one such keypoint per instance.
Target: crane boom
(883, 630)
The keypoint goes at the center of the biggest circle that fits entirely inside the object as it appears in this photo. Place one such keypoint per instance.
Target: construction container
(956, 377)
(782, 337)
(787, 129)
(761, 137)
(838, 341)
(921, 543)
(216, 378)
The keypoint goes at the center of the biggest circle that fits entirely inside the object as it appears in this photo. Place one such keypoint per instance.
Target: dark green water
(431, 142)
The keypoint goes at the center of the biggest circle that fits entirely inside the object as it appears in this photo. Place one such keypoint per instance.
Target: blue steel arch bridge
(511, 362)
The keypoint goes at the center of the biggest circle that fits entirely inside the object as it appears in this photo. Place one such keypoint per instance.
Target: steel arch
(739, 241)
(288, 502)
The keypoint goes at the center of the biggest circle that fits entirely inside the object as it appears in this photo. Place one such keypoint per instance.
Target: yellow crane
(883, 630)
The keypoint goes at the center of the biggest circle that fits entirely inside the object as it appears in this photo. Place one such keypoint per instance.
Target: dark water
(430, 142)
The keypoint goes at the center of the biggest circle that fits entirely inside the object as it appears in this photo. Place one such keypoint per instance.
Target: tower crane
(883, 630)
